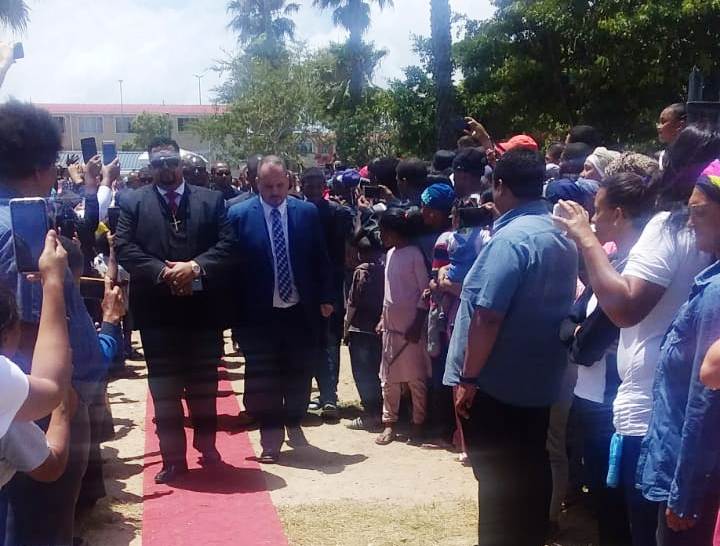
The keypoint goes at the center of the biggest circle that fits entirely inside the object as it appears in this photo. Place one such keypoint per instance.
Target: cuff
(112, 330)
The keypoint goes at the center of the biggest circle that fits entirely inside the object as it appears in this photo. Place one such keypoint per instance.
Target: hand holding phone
(53, 262)
(89, 148)
(109, 151)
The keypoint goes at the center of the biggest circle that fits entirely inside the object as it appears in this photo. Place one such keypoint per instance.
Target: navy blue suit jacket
(308, 257)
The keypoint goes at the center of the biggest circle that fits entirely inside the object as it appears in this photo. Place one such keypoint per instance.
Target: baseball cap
(518, 141)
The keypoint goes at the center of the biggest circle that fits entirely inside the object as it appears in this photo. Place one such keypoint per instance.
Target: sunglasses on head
(165, 162)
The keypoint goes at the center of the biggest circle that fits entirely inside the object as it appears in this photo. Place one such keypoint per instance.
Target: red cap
(518, 141)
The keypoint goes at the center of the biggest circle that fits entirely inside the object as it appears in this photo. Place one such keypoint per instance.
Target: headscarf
(601, 158)
(709, 181)
(438, 197)
(631, 162)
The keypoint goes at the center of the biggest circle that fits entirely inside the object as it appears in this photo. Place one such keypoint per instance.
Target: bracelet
(468, 380)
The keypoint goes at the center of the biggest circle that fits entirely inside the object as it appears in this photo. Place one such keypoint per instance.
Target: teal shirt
(528, 272)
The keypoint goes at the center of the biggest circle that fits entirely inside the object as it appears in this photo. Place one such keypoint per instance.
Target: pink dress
(406, 278)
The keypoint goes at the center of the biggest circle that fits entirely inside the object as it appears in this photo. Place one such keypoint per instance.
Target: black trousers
(506, 447)
(281, 351)
(43, 514)
(183, 362)
(595, 425)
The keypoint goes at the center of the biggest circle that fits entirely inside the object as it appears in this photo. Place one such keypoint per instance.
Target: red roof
(134, 109)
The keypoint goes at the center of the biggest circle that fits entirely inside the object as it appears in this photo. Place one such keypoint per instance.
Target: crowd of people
(554, 319)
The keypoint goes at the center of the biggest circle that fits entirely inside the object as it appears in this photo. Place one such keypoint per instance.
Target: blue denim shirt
(89, 365)
(527, 272)
(680, 458)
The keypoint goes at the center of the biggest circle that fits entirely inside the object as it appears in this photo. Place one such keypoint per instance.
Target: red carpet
(227, 505)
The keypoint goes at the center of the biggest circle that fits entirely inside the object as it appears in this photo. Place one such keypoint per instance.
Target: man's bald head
(273, 182)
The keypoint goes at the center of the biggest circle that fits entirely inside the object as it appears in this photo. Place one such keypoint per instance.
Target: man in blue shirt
(506, 358)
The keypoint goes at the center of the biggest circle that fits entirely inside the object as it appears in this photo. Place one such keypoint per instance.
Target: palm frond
(14, 14)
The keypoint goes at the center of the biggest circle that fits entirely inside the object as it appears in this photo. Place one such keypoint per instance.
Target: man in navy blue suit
(285, 292)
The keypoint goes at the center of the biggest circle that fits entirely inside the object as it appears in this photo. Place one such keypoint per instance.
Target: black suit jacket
(143, 245)
(308, 256)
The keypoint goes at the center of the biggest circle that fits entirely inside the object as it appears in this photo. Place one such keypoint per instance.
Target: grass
(350, 523)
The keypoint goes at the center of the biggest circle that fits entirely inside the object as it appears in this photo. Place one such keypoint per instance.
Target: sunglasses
(165, 162)
(222, 173)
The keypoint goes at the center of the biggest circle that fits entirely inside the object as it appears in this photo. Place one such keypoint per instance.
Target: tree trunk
(442, 67)
(356, 75)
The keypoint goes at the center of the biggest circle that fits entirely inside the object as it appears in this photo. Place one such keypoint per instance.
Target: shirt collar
(708, 274)
(179, 191)
(282, 207)
(531, 208)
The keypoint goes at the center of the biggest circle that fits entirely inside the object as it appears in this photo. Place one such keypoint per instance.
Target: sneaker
(364, 423)
(330, 412)
(314, 405)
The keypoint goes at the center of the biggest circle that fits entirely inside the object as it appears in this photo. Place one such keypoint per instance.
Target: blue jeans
(365, 356)
(327, 369)
(642, 513)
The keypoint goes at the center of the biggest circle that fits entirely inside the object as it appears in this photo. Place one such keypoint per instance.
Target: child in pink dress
(405, 361)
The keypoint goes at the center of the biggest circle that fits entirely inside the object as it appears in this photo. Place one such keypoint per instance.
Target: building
(114, 122)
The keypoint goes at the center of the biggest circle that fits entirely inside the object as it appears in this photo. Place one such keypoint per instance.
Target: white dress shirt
(179, 191)
(278, 303)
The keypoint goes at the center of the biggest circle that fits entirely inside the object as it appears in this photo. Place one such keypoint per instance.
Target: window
(123, 124)
(91, 124)
(185, 125)
(305, 147)
(60, 120)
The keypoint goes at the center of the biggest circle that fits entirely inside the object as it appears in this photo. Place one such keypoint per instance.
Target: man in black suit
(175, 241)
(286, 292)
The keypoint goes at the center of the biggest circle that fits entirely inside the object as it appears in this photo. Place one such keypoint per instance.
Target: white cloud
(77, 50)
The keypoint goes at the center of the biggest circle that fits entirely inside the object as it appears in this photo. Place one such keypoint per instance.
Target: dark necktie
(281, 257)
(171, 197)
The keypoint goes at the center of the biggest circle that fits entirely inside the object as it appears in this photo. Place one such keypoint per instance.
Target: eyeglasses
(165, 162)
(222, 173)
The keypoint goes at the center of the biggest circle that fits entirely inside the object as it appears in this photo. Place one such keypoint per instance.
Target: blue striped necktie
(282, 265)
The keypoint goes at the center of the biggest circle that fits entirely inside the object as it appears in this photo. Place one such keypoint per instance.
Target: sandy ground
(342, 490)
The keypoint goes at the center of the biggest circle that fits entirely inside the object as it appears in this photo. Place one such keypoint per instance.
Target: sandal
(386, 437)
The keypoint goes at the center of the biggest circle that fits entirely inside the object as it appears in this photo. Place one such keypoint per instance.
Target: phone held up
(89, 148)
(18, 51)
(29, 218)
(109, 150)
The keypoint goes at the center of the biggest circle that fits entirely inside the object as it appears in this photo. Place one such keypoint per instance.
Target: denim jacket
(680, 459)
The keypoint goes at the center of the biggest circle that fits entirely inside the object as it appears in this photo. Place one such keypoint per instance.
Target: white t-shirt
(23, 449)
(14, 388)
(672, 262)
(591, 379)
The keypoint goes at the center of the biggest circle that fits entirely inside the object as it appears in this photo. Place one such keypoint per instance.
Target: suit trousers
(183, 362)
(507, 449)
(281, 350)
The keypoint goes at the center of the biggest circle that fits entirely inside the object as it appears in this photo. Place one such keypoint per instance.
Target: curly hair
(29, 140)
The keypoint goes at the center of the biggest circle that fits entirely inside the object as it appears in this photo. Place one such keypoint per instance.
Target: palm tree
(354, 16)
(263, 25)
(13, 14)
(442, 68)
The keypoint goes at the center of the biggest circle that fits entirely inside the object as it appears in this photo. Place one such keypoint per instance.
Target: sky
(77, 50)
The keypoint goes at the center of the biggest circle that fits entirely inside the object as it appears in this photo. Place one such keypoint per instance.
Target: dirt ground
(341, 490)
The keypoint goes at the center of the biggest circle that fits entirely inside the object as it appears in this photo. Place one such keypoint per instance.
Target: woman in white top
(643, 300)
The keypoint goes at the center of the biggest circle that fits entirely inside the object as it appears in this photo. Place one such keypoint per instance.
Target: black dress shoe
(170, 473)
(210, 458)
(269, 457)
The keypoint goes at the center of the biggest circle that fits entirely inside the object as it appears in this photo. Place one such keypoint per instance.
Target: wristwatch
(196, 269)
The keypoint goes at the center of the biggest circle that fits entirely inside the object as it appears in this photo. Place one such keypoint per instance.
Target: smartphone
(113, 217)
(373, 192)
(92, 288)
(18, 51)
(475, 217)
(29, 218)
(459, 125)
(559, 212)
(109, 151)
(89, 148)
